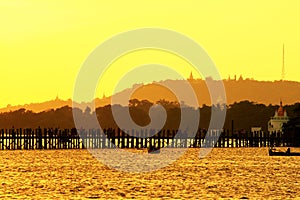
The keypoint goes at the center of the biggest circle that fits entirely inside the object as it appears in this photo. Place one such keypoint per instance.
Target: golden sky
(44, 42)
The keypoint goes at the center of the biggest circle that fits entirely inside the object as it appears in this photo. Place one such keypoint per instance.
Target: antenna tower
(282, 72)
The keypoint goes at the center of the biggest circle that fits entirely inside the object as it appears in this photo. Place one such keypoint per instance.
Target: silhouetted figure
(270, 151)
(288, 151)
(153, 149)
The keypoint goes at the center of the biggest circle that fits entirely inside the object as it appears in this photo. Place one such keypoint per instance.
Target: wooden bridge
(48, 138)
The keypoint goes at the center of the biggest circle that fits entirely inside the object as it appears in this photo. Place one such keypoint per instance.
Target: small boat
(154, 150)
(282, 153)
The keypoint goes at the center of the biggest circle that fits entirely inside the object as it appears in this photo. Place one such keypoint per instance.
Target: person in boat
(153, 149)
(270, 151)
(288, 151)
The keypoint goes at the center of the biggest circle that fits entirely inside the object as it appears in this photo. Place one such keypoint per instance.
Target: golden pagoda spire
(191, 77)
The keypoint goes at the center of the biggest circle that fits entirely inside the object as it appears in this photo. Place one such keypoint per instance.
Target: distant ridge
(265, 92)
(39, 107)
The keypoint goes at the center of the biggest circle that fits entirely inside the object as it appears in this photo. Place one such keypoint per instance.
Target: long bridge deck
(29, 139)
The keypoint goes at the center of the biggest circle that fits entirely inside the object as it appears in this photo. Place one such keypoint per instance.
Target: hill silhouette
(264, 92)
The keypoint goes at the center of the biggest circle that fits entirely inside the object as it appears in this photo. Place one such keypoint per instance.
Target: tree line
(244, 114)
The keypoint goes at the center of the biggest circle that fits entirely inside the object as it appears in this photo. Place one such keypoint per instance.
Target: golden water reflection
(75, 174)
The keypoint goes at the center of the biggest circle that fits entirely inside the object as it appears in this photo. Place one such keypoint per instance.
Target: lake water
(75, 174)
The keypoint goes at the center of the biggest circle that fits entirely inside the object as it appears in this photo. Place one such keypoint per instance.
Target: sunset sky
(44, 43)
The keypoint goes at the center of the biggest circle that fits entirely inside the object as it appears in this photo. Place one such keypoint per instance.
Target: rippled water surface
(75, 174)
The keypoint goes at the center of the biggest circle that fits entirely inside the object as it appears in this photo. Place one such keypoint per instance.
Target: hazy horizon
(237, 90)
(121, 88)
(99, 96)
